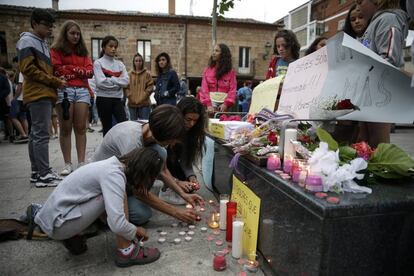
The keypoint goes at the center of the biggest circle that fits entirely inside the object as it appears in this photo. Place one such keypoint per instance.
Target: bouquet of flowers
(387, 161)
(332, 109)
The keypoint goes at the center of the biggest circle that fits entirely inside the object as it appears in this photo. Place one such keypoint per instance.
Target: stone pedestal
(300, 234)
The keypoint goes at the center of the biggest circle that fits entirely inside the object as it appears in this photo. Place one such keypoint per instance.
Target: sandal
(31, 212)
(140, 255)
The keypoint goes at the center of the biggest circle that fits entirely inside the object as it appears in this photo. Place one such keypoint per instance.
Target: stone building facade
(187, 39)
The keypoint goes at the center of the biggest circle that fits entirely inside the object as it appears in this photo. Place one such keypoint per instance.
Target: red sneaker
(138, 256)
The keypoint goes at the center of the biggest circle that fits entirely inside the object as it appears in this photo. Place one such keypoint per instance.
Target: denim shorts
(75, 95)
(17, 110)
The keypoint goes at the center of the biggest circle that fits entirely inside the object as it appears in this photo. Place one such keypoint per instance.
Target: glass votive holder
(313, 182)
(219, 260)
(287, 164)
(273, 162)
(213, 221)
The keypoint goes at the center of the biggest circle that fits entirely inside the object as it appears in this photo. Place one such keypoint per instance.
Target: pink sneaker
(139, 256)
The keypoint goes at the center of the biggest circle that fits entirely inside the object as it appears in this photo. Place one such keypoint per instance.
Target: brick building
(186, 38)
(331, 14)
(316, 18)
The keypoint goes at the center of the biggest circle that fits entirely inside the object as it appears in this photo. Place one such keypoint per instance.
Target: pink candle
(287, 165)
(219, 261)
(296, 175)
(314, 183)
(273, 162)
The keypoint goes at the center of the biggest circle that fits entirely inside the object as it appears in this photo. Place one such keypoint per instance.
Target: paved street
(51, 258)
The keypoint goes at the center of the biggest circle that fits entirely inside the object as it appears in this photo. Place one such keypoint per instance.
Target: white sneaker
(67, 169)
(171, 197)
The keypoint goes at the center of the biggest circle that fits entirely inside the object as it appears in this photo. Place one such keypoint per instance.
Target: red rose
(272, 138)
(363, 150)
(304, 139)
(344, 104)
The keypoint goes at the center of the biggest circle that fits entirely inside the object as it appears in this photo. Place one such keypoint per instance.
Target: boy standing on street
(39, 93)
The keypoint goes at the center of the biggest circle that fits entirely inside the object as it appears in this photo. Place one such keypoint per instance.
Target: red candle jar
(231, 211)
(219, 261)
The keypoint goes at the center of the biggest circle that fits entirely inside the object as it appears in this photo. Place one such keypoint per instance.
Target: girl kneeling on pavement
(101, 187)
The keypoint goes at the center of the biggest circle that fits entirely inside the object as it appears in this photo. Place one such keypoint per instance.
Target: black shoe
(76, 245)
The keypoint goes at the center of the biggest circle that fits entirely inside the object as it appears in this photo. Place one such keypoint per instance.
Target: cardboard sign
(346, 69)
(248, 206)
(303, 83)
(265, 95)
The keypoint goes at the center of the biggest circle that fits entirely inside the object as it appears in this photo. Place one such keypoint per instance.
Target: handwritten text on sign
(303, 83)
(248, 207)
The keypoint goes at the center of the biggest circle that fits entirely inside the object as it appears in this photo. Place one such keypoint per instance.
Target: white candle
(190, 233)
(182, 233)
(290, 134)
(237, 239)
(223, 211)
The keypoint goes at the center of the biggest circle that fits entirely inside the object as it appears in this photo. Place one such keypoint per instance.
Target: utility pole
(214, 24)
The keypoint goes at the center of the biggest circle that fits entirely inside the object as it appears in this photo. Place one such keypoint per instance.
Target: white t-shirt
(21, 79)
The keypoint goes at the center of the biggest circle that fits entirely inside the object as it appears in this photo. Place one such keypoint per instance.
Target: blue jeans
(40, 114)
(139, 212)
(136, 113)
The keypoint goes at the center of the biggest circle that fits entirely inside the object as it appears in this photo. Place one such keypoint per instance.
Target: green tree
(224, 6)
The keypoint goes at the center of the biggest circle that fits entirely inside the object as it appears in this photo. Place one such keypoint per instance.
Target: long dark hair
(347, 26)
(224, 64)
(105, 41)
(312, 47)
(133, 62)
(157, 59)
(194, 138)
(62, 44)
(291, 43)
(142, 166)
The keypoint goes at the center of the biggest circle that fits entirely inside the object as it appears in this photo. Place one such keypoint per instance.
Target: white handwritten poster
(381, 91)
(303, 83)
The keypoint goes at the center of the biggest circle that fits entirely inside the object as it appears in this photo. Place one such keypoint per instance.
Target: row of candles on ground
(227, 220)
(297, 170)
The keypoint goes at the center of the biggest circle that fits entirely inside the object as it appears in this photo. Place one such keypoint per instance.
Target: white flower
(335, 177)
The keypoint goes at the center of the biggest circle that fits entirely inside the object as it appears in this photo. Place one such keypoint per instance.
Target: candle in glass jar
(223, 211)
(273, 162)
(231, 212)
(237, 237)
(313, 183)
(212, 222)
(219, 261)
(287, 164)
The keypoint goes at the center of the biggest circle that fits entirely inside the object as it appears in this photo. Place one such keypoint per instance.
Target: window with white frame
(144, 49)
(96, 47)
(244, 60)
(341, 24)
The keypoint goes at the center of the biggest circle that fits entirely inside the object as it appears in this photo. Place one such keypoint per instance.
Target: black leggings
(108, 107)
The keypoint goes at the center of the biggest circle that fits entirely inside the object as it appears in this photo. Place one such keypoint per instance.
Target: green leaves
(347, 154)
(324, 136)
(389, 161)
(224, 6)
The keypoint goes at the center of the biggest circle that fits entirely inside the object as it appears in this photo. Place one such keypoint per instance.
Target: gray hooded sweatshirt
(386, 33)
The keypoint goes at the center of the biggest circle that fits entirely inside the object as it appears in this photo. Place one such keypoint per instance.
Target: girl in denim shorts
(71, 62)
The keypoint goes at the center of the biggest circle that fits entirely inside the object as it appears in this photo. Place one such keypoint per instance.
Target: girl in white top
(111, 78)
(101, 187)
